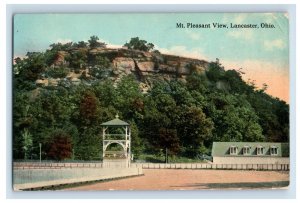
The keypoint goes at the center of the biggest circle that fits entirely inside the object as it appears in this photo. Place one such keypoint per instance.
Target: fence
(271, 167)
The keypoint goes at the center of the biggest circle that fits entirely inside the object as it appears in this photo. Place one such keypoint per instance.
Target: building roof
(115, 122)
(221, 149)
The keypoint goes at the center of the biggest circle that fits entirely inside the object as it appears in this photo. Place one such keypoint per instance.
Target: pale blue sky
(269, 47)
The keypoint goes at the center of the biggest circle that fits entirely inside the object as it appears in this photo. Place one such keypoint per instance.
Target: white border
(215, 194)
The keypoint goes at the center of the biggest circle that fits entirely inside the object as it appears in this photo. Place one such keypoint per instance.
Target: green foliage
(57, 72)
(28, 70)
(81, 44)
(215, 71)
(77, 59)
(183, 117)
(194, 128)
(55, 47)
(101, 68)
(94, 43)
(139, 44)
(27, 143)
(136, 143)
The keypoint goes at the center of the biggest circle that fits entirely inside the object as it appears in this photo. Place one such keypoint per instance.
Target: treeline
(184, 117)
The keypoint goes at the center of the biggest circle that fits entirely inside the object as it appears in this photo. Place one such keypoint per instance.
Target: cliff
(146, 66)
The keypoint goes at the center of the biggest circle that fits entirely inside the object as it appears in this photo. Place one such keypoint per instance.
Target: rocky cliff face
(146, 66)
(152, 66)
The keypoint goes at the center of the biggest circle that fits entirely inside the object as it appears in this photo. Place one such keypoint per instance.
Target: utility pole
(166, 155)
(40, 152)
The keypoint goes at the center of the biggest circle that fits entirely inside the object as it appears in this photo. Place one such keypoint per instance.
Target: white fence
(282, 167)
(37, 165)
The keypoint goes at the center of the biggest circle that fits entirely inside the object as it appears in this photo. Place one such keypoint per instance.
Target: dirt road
(183, 179)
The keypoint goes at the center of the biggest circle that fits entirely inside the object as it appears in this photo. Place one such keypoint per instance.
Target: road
(186, 179)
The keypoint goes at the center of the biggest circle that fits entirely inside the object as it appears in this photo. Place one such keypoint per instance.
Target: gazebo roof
(115, 122)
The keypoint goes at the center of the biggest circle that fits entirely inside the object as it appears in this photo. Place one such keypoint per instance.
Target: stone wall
(36, 179)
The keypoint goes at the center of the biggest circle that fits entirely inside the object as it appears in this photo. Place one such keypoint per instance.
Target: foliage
(184, 117)
(27, 143)
(59, 145)
(168, 139)
(57, 72)
(94, 43)
(101, 67)
(80, 44)
(194, 128)
(139, 44)
(89, 108)
(77, 59)
(215, 72)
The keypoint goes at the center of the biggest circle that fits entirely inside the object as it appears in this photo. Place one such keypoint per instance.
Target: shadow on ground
(246, 185)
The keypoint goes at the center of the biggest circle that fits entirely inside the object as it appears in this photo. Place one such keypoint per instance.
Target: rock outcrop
(145, 65)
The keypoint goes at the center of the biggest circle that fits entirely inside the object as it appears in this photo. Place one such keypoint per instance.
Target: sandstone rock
(60, 58)
(200, 69)
(173, 63)
(165, 68)
(148, 54)
(42, 82)
(183, 70)
(53, 82)
(146, 66)
(123, 63)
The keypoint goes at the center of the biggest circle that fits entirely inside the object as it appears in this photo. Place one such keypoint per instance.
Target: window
(233, 150)
(274, 150)
(246, 150)
(260, 150)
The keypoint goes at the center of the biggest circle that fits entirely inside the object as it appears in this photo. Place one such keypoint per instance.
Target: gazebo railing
(114, 154)
(114, 137)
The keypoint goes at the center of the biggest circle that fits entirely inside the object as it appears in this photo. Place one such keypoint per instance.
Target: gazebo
(116, 143)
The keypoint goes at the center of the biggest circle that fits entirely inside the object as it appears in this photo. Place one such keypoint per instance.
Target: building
(116, 143)
(250, 153)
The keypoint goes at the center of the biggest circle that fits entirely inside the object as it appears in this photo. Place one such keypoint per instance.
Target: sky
(262, 53)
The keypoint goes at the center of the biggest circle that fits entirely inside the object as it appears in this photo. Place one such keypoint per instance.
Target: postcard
(151, 101)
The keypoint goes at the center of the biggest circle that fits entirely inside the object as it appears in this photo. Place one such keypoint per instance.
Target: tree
(168, 140)
(81, 44)
(89, 108)
(215, 71)
(55, 47)
(27, 143)
(194, 128)
(33, 66)
(139, 44)
(136, 144)
(94, 43)
(77, 59)
(180, 93)
(129, 97)
(183, 117)
(59, 145)
(241, 124)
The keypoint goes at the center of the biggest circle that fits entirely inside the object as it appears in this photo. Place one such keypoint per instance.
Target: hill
(62, 95)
